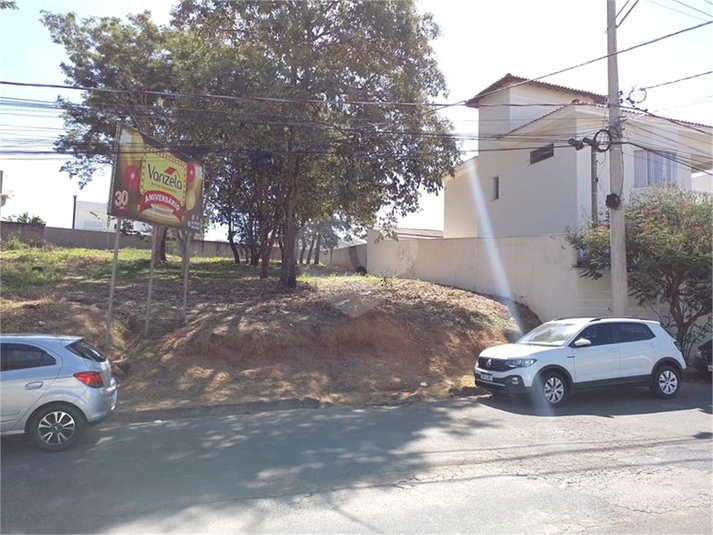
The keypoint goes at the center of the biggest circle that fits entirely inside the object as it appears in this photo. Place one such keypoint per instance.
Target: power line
(655, 134)
(679, 80)
(627, 13)
(673, 121)
(693, 8)
(668, 156)
(696, 102)
(676, 10)
(598, 59)
(173, 94)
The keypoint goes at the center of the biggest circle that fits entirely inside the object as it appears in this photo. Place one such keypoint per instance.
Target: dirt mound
(356, 341)
(336, 337)
(60, 316)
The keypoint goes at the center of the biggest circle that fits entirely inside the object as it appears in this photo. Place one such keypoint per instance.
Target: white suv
(570, 353)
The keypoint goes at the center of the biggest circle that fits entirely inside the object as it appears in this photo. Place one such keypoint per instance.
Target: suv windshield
(549, 334)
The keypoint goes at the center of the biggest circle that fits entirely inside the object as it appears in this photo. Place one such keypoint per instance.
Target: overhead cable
(598, 59)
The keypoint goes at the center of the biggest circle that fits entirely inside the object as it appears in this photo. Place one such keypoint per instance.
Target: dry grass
(337, 337)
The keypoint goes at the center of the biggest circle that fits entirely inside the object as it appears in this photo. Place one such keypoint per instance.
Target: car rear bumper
(98, 403)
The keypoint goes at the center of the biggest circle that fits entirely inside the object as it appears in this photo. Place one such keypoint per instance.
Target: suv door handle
(35, 385)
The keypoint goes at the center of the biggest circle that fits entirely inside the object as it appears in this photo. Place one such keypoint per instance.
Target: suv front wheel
(551, 388)
(666, 381)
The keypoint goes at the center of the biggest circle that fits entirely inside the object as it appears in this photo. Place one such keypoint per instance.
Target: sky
(481, 41)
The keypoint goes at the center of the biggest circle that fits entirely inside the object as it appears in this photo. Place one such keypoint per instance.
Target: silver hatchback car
(51, 387)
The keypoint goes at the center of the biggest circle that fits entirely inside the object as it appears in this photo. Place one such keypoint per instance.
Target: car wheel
(666, 381)
(551, 388)
(56, 427)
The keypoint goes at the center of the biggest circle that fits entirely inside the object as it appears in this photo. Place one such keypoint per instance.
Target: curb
(150, 415)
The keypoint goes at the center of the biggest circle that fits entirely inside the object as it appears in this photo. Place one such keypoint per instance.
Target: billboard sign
(153, 184)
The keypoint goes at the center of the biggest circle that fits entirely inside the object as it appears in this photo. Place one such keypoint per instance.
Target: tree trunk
(303, 250)
(289, 266)
(317, 250)
(254, 255)
(233, 246)
(267, 254)
(281, 244)
(311, 248)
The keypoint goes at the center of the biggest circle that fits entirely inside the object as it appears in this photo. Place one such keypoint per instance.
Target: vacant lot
(337, 337)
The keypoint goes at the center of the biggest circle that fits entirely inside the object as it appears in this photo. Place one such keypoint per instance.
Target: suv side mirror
(582, 342)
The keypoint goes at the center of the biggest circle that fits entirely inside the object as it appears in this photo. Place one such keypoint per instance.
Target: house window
(542, 153)
(654, 168)
(496, 188)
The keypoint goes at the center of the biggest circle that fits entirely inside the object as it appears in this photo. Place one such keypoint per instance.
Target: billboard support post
(154, 233)
(186, 266)
(110, 313)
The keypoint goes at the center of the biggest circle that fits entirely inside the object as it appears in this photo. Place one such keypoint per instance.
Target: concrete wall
(64, 237)
(537, 271)
(22, 231)
(347, 257)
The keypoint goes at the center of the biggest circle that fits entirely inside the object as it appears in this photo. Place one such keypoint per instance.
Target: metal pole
(620, 291)
(74, 213)
(595, 185)
(154, 234)
(186, 265)
(110, 313)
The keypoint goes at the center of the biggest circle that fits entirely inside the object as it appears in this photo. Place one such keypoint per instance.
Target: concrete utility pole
(619, 285)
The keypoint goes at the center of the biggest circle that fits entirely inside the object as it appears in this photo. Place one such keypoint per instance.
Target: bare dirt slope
(334, 338)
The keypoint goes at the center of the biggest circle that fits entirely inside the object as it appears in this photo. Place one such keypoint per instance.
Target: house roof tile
(510, 80)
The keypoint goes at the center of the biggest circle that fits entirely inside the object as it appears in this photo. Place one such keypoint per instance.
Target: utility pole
(619, 285)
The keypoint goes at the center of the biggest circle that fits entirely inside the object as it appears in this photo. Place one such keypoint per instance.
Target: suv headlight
(519, 363)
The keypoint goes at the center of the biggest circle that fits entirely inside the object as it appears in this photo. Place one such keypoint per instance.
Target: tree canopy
(300, 110)
(668, 240)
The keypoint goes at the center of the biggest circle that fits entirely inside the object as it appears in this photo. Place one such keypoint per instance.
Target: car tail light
(93, 379)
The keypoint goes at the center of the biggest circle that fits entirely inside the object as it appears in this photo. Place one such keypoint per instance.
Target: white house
(92, 216)
(528, 180)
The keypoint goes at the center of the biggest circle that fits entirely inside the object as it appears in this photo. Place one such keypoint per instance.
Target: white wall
(537, 271)
(459, 212)
(534, 199)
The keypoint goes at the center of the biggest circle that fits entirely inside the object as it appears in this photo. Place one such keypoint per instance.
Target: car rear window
(632, 332)
(83, 349)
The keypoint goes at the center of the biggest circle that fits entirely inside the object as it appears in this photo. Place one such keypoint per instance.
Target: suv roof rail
(574, 318)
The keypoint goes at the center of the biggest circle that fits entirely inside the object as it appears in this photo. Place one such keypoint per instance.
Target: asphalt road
(609, 461)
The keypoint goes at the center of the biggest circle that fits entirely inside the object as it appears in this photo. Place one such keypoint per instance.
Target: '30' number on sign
(121, 198)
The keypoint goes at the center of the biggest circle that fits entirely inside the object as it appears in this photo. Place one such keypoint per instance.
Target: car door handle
(35, 385)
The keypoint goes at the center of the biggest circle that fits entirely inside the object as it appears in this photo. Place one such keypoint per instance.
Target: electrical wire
(676, 10)
(172, 94)
(676, 81)
(696, 102)
(693, 8)
(481, 95)
(627, 13)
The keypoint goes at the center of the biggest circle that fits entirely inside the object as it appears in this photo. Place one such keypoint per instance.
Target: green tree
(28, 219)
(668, 239)
(327, 62)
(8, 4)
(127, 64)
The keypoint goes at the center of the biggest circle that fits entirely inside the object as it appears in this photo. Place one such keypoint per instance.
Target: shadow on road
(611, 402)
(162, 469)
